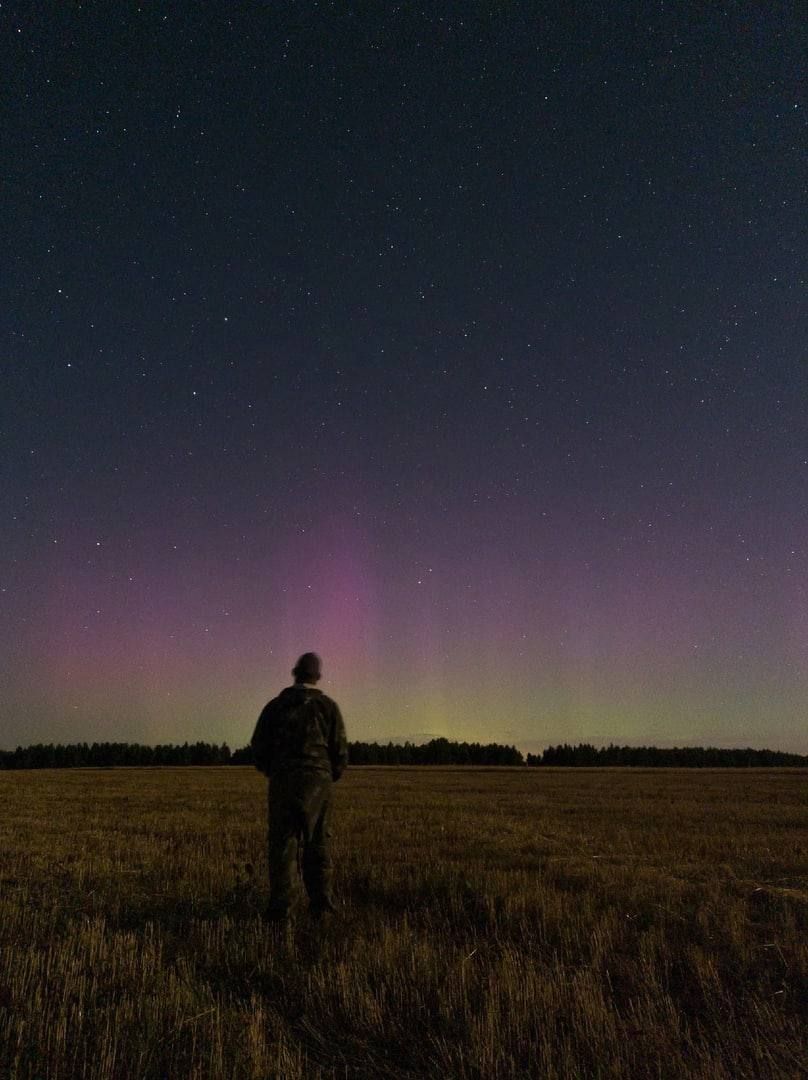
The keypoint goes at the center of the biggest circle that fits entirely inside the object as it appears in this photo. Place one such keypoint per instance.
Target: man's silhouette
(299, 743)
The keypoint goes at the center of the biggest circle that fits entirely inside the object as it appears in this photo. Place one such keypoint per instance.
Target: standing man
(299, 743)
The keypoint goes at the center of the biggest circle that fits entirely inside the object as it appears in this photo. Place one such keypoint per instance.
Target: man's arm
(261, 740)
(337, 743)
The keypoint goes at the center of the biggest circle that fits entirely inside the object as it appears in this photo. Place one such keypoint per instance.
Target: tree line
(680, 757)
(104, 754)
(98, 755)
(435, 752)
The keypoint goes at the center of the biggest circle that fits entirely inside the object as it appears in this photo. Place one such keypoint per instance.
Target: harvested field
(496, 924)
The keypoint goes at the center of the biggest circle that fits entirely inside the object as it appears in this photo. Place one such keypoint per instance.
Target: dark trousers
(299, 807)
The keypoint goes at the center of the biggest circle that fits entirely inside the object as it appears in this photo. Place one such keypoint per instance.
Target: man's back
(301, 728)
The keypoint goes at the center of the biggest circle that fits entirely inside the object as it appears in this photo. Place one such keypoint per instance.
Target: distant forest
(96, 755)
(434, 752)
(679, 757)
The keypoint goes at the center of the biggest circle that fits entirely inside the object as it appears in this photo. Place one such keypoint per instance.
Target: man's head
(308, 668)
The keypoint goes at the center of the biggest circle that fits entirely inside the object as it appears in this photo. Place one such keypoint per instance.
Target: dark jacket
(301, 728)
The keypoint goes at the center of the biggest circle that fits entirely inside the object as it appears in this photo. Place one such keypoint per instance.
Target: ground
(494, 923)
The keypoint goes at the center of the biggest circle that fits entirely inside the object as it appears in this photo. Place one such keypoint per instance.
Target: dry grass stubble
(497, 923)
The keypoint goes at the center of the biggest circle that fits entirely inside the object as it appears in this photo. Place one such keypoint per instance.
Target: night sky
(463, 345)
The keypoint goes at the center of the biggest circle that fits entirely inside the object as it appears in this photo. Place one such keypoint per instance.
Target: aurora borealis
(465, 347)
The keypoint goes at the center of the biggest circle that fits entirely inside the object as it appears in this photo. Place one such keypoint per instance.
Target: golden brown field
(497, 923)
